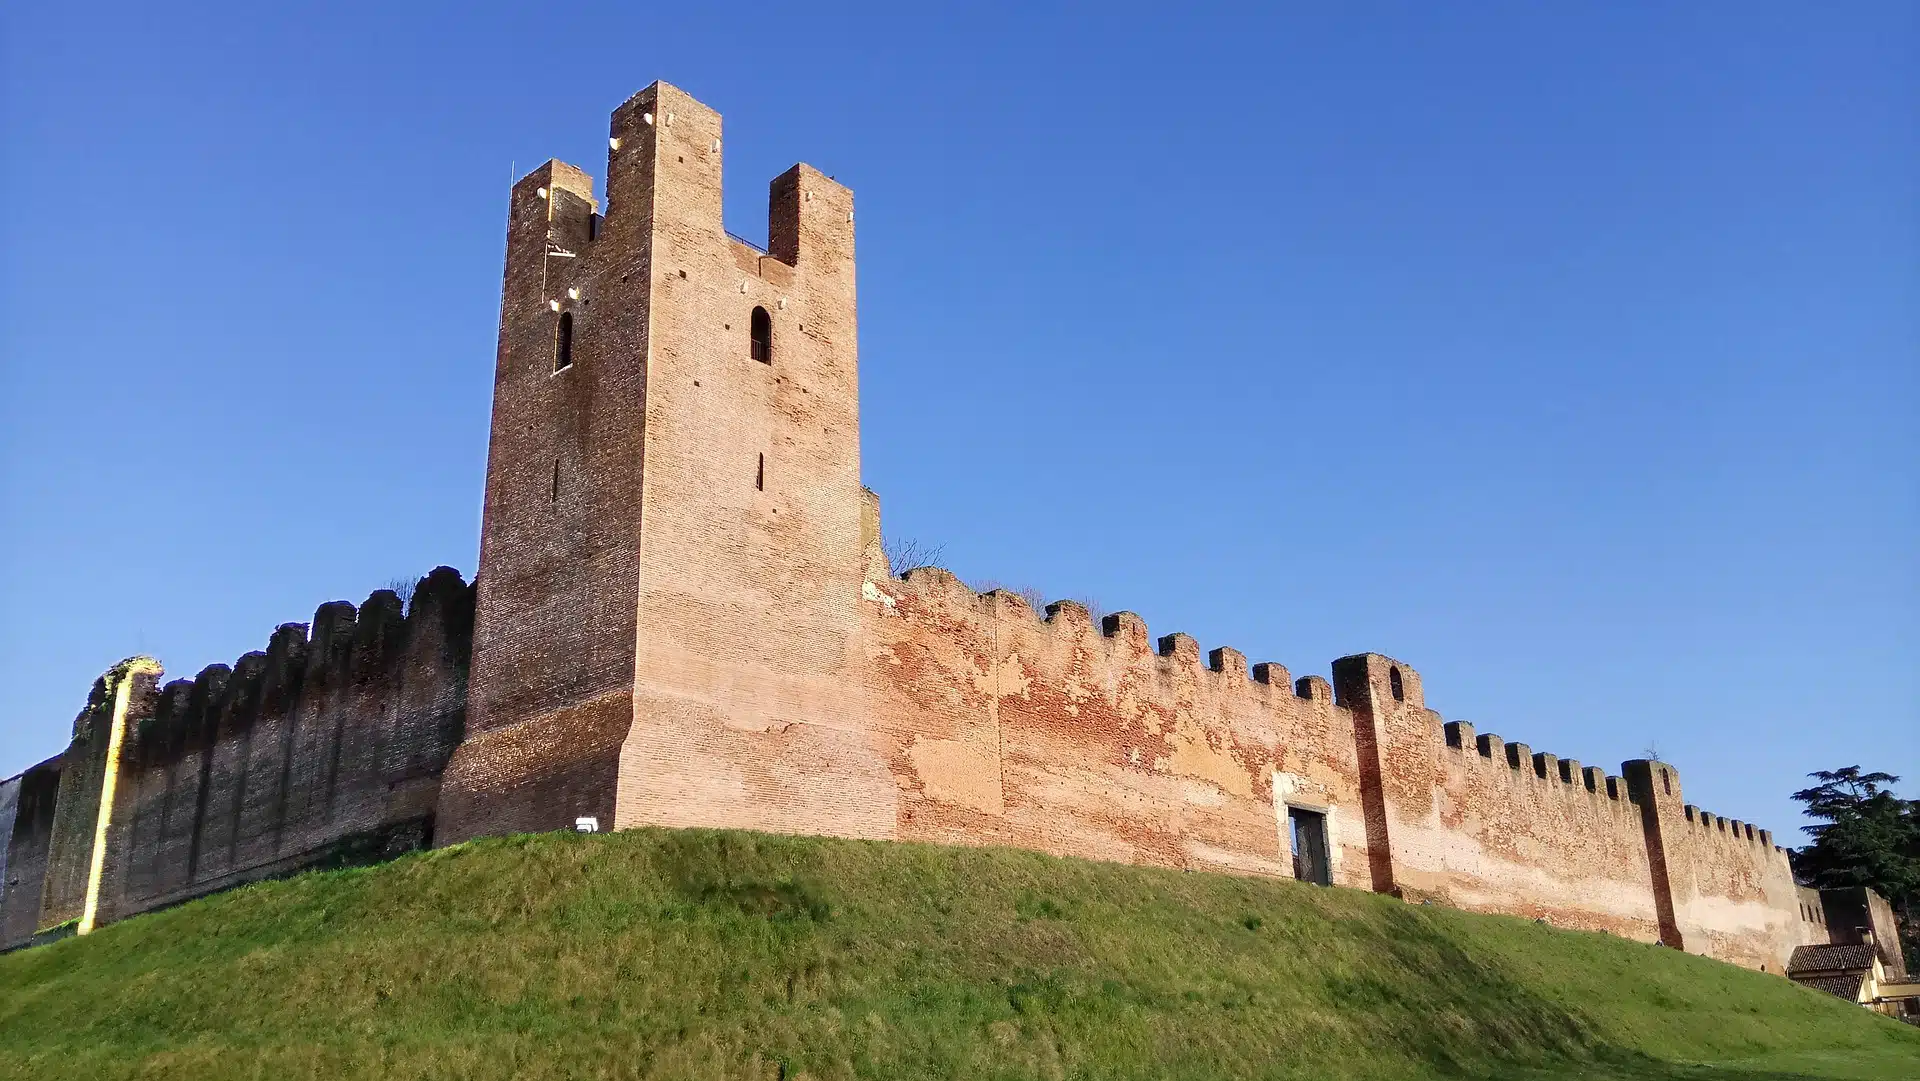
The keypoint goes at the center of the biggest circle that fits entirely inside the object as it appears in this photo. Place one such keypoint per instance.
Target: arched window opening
(1666, 781)
(760, 337)
(1399, 688)
(563, 342)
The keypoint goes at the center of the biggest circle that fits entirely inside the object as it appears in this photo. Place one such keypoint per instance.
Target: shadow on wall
(325, 749)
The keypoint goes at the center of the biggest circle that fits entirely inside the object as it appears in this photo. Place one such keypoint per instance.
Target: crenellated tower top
(673, 474)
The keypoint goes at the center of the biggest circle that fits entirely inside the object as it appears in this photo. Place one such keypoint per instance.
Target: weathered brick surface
(683, 618)
(1005, 726)
(76, 814)
(1535, 836)
(1743, 902)
(320, 749)
(9, 810)
(37, 792)
(541, 774)
(750, 555)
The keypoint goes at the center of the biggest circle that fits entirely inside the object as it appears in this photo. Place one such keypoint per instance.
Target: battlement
(664, 168)
(1722, 828)
(1519, 757)
(342, 647)
(1126, 636)
(328, 741)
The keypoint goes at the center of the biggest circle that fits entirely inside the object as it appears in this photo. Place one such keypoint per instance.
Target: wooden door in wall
(1309, 835)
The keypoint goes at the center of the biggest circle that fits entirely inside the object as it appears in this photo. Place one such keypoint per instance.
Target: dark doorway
(1309, 829)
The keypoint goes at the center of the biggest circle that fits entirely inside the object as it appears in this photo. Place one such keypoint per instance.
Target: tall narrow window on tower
(563, 342)
(1399, 688)
(760, 337)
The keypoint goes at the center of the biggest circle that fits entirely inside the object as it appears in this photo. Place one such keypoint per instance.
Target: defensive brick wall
(327, 747)
(1533, 834)
(998, 726)
(1743, 903)
(989, 723)
(83, 771)
(28, 836)
(1007, 727)
(9, 806)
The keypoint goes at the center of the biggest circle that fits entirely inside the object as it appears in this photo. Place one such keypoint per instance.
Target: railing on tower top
(744, 240)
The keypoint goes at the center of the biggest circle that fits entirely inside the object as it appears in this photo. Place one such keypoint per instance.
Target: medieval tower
(672, 531)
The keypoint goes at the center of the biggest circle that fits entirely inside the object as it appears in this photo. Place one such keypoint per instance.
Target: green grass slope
(698, 954)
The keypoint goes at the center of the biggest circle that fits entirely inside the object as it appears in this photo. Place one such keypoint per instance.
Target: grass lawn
(709, 954)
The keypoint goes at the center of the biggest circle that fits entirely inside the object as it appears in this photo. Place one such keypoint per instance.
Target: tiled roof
(1847, 987)
(1855, 958)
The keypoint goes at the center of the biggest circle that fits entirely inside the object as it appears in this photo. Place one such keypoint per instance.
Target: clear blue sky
(1567, 352)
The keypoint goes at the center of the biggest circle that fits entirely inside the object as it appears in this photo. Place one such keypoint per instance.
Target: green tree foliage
(1866, 836)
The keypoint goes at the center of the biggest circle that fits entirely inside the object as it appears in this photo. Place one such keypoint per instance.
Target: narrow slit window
(563, 342)
(1666, 781)
(760, 336)
(1308, 830)
(553, 493)
(760, 475)
(1399, 688)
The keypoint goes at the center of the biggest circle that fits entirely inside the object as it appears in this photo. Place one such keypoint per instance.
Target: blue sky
(1565, 352)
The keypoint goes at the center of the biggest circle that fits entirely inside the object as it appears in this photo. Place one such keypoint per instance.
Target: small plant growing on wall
(910, 553)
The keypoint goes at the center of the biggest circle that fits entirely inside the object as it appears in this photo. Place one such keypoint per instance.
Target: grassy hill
(697, 954)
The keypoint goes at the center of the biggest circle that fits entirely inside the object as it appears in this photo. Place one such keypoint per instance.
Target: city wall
(980, 721)
(989, 723)
(29, 834)
(326, 748)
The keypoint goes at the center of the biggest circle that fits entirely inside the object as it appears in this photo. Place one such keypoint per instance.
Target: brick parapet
(289, 757)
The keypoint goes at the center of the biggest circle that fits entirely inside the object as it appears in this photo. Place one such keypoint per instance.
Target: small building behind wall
(1862, 962)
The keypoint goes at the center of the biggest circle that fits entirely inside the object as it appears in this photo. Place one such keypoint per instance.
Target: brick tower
(671, 541)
